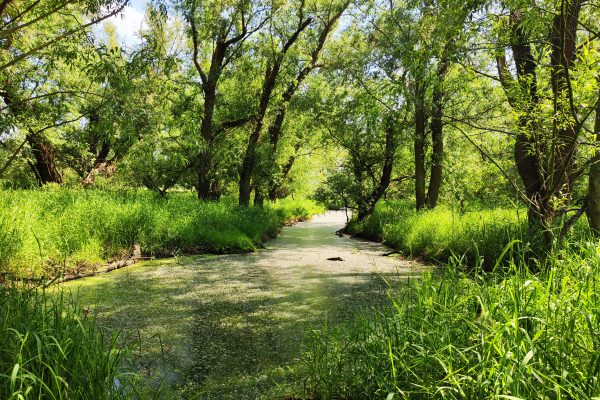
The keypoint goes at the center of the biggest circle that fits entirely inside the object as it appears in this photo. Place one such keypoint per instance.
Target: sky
(129, 22)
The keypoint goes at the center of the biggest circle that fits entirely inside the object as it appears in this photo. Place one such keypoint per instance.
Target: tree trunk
(259, 198)
(271, 74)
(275, 188)
(245, 185)
(249, 157)
(593, 197)
(565, 132)
(44, 165)
(420, 136)
(437, 138)
(206, 131)
(100, 160)
(275, 129)
(386, 172)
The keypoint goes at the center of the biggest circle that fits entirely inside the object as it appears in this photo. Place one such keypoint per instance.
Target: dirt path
(231, 327)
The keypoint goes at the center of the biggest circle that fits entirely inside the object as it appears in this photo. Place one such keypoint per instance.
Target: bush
(453, 336)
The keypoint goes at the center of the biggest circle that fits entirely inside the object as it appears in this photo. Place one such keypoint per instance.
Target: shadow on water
(232, 327)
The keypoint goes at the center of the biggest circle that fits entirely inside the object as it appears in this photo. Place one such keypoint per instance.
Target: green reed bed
(438, 234)
(45, 232)
(453, 336)
(51, 349)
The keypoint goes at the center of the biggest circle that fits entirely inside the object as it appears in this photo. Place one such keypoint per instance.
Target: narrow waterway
(232, 327)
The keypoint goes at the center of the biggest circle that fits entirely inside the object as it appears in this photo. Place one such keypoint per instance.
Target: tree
(422, 40)
(547, 145)
(35, 36)
(274, 132)
(224, 27)
(275, 58)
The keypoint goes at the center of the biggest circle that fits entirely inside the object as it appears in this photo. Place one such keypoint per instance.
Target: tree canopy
(350, 102)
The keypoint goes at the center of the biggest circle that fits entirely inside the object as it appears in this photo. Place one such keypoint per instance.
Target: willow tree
(420, 41)
(35, 36)
(218, 31)
(327, 19)
(550, 47)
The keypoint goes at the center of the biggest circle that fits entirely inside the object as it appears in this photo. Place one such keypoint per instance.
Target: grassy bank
(47, 232)
(453, 336)
(479, 235)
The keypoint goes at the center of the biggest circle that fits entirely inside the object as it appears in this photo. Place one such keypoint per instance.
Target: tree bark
(206, 131)
(523, 97)
(562, 57)
(437, 137)
(419, 146)
(545, 163)
(43, 151)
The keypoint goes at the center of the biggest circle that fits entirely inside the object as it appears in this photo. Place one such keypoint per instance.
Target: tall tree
(35, 36)
(422, 40)
(222, 27)
(546, 147)
(274, 133)
(275, 61)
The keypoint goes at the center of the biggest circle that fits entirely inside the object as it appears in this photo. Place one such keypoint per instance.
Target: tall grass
(44, 232)
(453, 336)
(479, 235)
(51, 349)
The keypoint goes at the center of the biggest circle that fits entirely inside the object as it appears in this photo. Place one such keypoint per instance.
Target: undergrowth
(450, 335)
(54, 231)
(478, 235)
(52, 349)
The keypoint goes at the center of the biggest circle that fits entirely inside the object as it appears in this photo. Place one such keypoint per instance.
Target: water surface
(232, 326)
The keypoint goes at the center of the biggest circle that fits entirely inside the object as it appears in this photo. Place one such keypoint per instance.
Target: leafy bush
(453, 336)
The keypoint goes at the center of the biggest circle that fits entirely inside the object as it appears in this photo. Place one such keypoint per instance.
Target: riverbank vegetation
(484, 335)
(463, 134)
(58, 232)
(478, 236)
(51, 348)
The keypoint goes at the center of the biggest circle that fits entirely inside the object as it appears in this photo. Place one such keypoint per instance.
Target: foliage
(57, 231)
(452, 336)
(476, 232)
(478, 235)
(52, 349)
